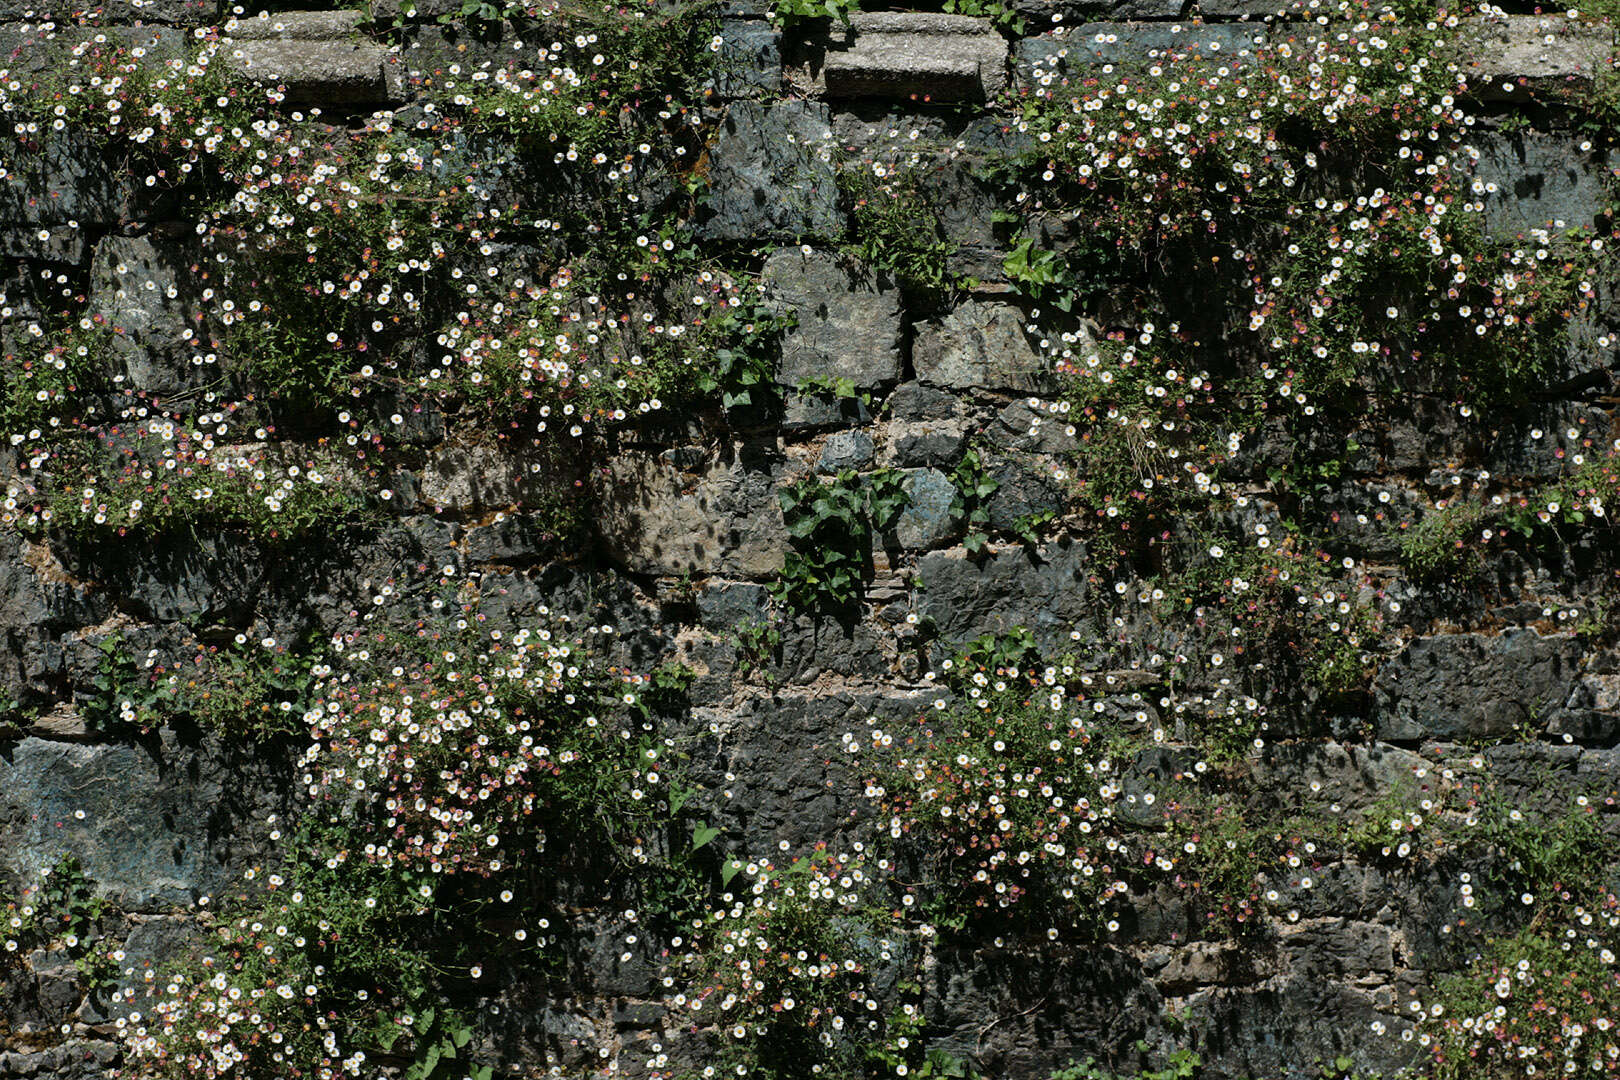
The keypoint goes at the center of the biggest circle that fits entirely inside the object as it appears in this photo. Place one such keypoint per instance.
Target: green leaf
(702, 835)
(730, 870)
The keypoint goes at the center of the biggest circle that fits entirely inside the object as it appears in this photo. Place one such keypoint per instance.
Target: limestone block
(720, 517)
(318, 56)
(848, 319)
(907, 55)
(979, 345)
(1502, 50)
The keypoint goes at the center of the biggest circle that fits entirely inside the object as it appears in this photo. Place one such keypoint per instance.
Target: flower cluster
(1542, 1002)
(779, 965)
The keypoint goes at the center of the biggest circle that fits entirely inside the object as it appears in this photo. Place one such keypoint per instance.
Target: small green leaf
(702, 835)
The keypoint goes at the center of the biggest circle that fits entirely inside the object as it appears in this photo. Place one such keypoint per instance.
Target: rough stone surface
(1535, 180)
(771, 174)
(1045, 60)
(848, 319)
(750, 63)
(903, 54)
(472, 478)
(147, 297)
(1045, 590)
(913, 443)
(722, 517)
(845, 450)
(927, 522)
(979, 344)
(1473, 686)
(317, 57)
(1510, 54)
(159, 827)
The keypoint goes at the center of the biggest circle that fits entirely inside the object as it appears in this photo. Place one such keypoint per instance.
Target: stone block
(152, 827)
(720, 518)
(980, 345)
(1537, 180)
(914, 401)
(1022, 426)
(845, 450)
(919, 443)
(470, 479)
(1046, 591)
(1461, 686)
(848, 319)
(66, 176)
(1047, 59)
(317, 56)
(927, 521)
(750, 61)
(1509, 55)
(914, 55)
(771, 174)
(148, 297)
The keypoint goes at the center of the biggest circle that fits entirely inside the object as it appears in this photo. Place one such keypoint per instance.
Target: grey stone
(1047, 591)
(657, 519)
(914, 443)
(1352, 776)
(927, 521)
(67, 177)
(848, 319)
(845, 450)
(1021, 491)
(149, 299)
(1026, 1012)
(208, 579)
(915, 55)
(1474, 686)
(317, 57)
(1536, 180)
(1020, 426)
(1046, 60)
(1509, 55)
(779, 757)
(472, 478)
(37, 591)
(157, 829)
(980, 345)
(914, 401)
(184, 12)
(508, 538)
(729, 604)
(814, 410)
(750, 61)
(771, 174)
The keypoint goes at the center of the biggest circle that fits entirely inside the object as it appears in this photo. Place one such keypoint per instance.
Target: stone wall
(1490, 676)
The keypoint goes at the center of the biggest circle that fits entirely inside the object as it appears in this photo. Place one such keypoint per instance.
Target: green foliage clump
(831, 524)
(897, 227)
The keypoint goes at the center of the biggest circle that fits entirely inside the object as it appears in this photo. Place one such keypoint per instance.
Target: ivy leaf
(702, 835)
(730, 870)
